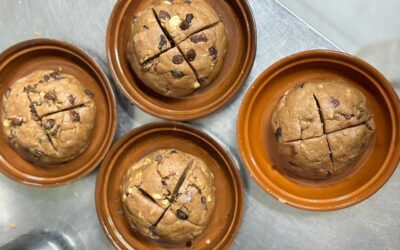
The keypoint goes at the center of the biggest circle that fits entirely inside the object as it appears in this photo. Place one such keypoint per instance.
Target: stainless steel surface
(267, 224)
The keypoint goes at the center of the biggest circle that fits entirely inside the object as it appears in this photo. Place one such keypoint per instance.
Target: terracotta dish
(228, 210)
(43, 54)
(256, 136)
(239, 58)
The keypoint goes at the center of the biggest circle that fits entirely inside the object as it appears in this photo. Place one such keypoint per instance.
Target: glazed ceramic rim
(115, 67)
(362, 193)
(103, 210)
(30, 45)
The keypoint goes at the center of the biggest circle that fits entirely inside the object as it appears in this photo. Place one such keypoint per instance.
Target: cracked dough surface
(168, 195)
(322, 127)
(176, 47)
(48, 116)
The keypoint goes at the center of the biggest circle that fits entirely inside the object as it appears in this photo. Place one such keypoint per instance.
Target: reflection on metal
(386, 57)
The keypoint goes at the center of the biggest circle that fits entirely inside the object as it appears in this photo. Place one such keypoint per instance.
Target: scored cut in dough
(342, 105)
(178, 194)
(184, 18)
(147, 36)
(346, 144)
(167, 75)
(176, 22)
(309, 157)
(205, 52)
(296, 115)
(55, 91)
(330, 107)
(35, 104)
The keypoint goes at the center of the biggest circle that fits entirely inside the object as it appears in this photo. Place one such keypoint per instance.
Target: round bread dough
(322, 128)
(48, 116)
(168, 195)
(176, 47)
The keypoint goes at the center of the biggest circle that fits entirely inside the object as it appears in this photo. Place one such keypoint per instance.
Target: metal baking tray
(267, 224)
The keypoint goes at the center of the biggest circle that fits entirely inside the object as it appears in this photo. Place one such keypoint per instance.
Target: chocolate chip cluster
(177, 46)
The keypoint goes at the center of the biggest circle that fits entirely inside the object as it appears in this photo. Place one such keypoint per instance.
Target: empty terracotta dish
(161, 139)
(238, 61)
(49, 71)
(257, 142)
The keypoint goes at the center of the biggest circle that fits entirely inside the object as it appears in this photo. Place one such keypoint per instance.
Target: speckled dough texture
(48, 116)
(168, 195)
(322, 127)
(177, 46)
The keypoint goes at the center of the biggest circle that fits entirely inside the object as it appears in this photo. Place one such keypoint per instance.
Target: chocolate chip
(203, 200)
(196, 38)
(29, 88)
(186, 23)
(32, 108)
(164, 15)
(188, 2)
(46, 78)
(16, 121)
(145, 27)
(301, 85)
(213, 52)
(55, 130)
(56, 76)
(7, 93)
(328, 174)
(177, 59)
(38, 153)
(89, 93)
(347, 116)
(203, 79)
(191, 55)
(189, 244)
(158, 158)
(181, 215)
(71, 99)
(74, 116)
(173, 151)
(50, 97)
(49, 124)
(163, 42)
(367, 124)
(177, 74)
(152, 230)
(278, 133)
(334, 102)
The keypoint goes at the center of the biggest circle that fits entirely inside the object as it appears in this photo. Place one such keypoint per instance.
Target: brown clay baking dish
(44, 54)
(228, 211)
(257, 145)
(240, 29)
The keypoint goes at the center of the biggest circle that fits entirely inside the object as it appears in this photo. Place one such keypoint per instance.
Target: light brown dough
(177, 47)
(322, 127)
(182, 18)
(168, 195)
(37, 120)
(205, 51)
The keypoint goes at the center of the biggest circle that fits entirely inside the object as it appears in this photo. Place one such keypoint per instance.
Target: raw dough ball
(48, 116)
(322, 127)
(177, 46)
(168, 195)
